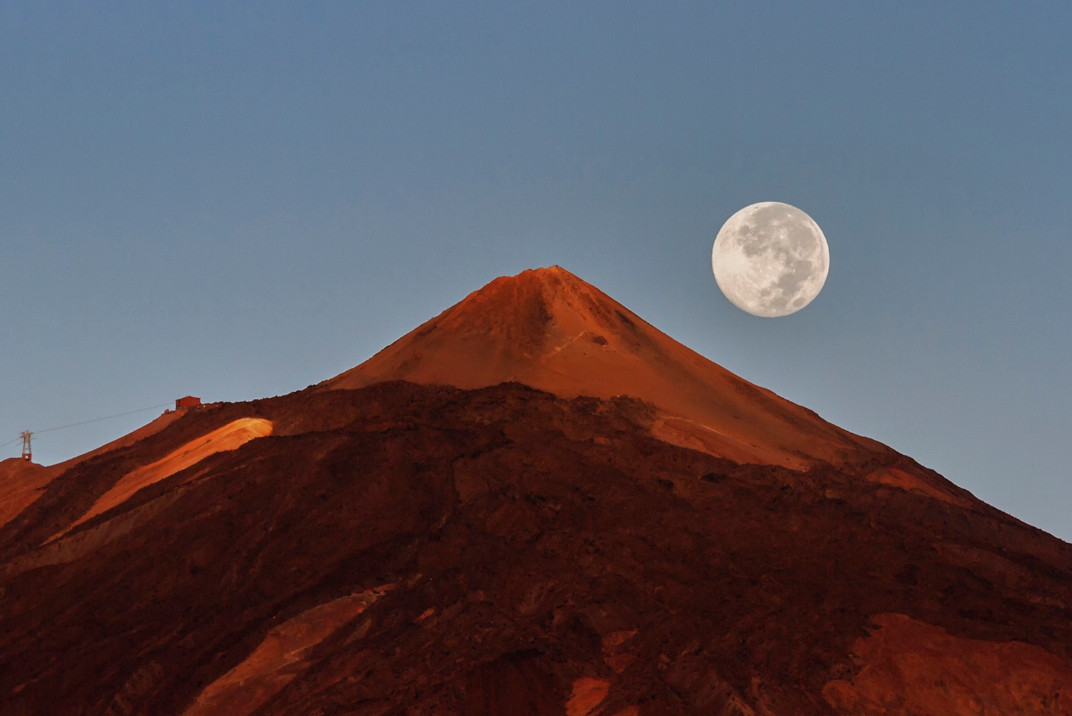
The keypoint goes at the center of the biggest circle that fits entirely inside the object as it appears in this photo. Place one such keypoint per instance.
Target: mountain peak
(531, 317)
(551, 330)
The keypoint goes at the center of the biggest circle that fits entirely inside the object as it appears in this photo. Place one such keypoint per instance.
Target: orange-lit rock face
(550, 330)
(283, 655)
(229, 437)
(587, 694)
(909, 667)
(905, 480)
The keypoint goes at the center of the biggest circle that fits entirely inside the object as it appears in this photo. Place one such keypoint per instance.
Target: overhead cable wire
(97, 420)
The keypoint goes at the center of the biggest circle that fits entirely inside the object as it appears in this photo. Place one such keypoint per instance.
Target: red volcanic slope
(548, 329)
(639, 533)
(21, 483)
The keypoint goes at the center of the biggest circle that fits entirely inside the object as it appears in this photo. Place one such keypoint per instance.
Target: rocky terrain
(535, 503)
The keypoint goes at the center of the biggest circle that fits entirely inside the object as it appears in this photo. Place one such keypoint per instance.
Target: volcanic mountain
(552, 331)
(534, 503)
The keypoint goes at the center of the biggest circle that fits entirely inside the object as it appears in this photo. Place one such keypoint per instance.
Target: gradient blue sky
(239, 200)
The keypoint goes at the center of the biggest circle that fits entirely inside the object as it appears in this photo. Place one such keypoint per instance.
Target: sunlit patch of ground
(910, 667)
(229, 437)
(895, 477)
(588, 693)
(280, 657)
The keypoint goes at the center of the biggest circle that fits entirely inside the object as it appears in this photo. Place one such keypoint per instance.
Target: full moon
(770, 259)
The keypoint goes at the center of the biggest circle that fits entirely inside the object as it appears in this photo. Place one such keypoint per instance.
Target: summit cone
(548, 329)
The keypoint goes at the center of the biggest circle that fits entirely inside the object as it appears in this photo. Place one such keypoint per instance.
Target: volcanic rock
(535, 503)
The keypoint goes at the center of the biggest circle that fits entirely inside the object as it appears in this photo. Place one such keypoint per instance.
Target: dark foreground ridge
(425, 549)
(485, 551)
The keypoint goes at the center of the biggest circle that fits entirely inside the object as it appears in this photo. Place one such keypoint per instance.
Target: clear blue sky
(238, 200)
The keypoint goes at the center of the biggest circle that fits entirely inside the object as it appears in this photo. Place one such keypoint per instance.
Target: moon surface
(770, 259)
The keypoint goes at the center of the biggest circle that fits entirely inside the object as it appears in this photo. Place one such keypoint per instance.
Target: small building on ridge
(187, 402)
